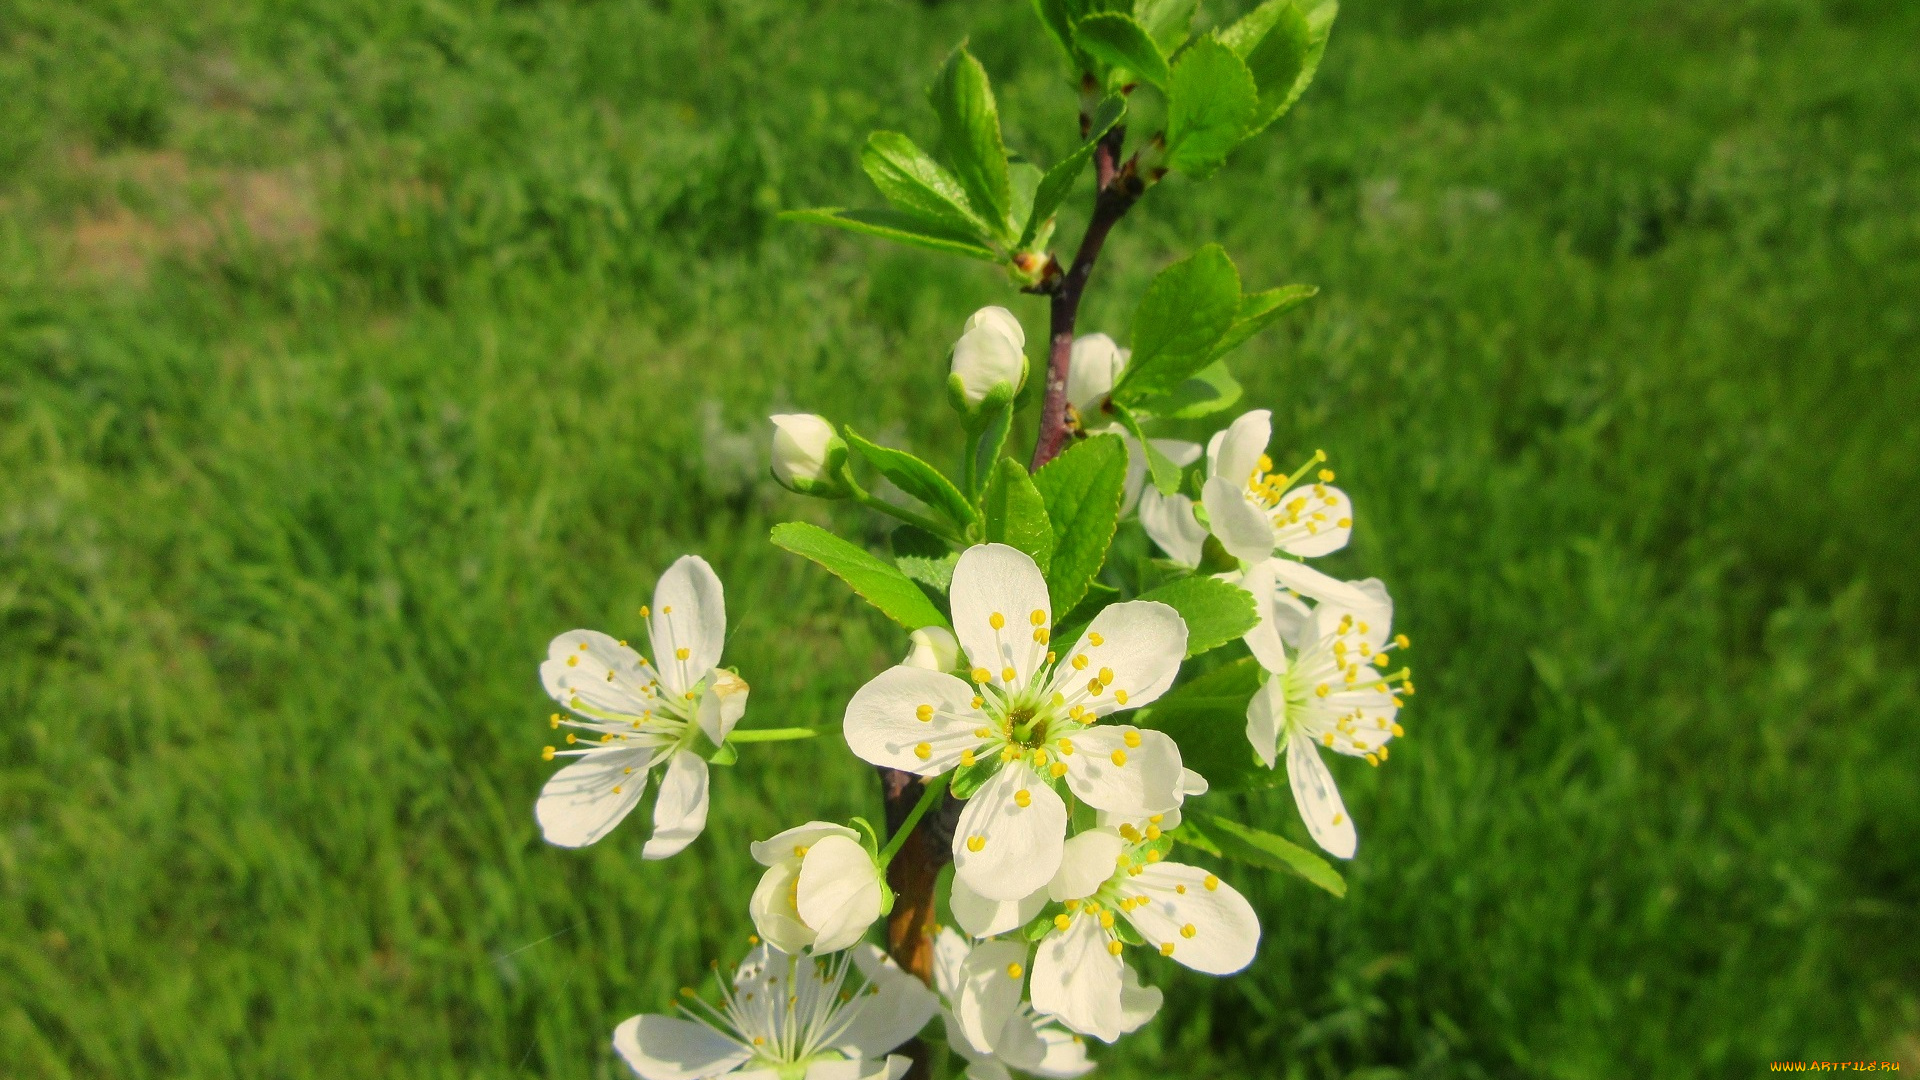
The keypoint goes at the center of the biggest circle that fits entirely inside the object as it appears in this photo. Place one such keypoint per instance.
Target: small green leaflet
(914, 183)
(1259, 310)
(1082, 490)
(916, 478)
(1245, 844)
(1016, 514)
(1211, 104)
(1187, 310)
(970, 131)
(1119, 42)
(879, 584)
(895, 225)
(1215, 611)
(1211, 390)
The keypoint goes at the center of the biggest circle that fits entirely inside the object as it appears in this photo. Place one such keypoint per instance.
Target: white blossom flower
(785, 1017)
(1250, 510)
(642, 717)
(1336, 693)
(821, 889)
(1182, 911)
(1093, 367)
(1031, 714)
(988, 1023)
(989, 354)
(934, 648)
(806, 452)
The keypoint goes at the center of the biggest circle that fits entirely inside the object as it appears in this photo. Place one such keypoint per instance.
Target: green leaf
(1057, 16)
(916, 478)
(1216, 612)
(1165, 474)
(994, 423)
(970, 131)
(1286, 60)
(1208, 718)
(1116, 40)
(1024, 179)
(915, 184)
(1082, 489)
(1211, 105)
(1212, 389)
(895, 225)
(1187, 310)
(1016, 514)
(1167, 20)
(1258, 311)
(1243, 843)
(1058, 183)
(1070, 626)
(968, 779)
(883, 586)
(925, 558)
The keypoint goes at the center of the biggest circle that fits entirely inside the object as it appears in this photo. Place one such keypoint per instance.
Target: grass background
(349, 349)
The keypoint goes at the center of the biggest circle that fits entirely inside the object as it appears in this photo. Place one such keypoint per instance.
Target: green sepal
(1016, 514)
(723, 755)
(1255, 847)
(916, 478)
(1216, 612)
(895, 225)
(876, 582)
(869, 836)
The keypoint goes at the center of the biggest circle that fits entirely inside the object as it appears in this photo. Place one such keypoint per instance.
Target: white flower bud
(801, 444)
(1094, 366)
(989, 354)
(934, 648)
(821, 890)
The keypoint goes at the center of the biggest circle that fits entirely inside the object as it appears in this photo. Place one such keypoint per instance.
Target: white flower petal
(1138, 1003)
(839, 894)
(1375, 609)
(900, 1006)
(689, 613)
(985, 1069)
(1089, 860)
(1314, 585)
(1212, 929)
(1170, 522)
(1018, 1044)
(1077, 981)
(1019, 846)
(949, 952)
(997, 580)
(1107, 770)
(1192, 784)
(1234, 454)
(1000, 319)
(1266, 718)
(1242, 528)
(1141, 643)
(1179, 451)
(982, 917)
(785, 846)
(1318, 800)
(772, 910)
(721, 707)
(1265, 640)
(1093, 365)
(883, 725)
(669, 1048)
(1321, 526)
(577, 669)
(1065, 1056)
(990, 990)
(579, 804)
(934, 648)
(680, 813)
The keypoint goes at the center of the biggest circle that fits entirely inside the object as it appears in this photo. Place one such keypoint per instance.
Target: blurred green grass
(350, 349)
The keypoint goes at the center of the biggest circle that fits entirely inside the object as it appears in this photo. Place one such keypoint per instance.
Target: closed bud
(934, 648)
(807, 455)
(988, 360)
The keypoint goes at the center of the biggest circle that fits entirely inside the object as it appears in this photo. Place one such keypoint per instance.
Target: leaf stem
(933, 793)
(776, 734)
(925, 524)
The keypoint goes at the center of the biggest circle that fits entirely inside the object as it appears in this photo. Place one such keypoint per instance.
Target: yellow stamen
(1114, 947)
(1062, 921)
(997, 621)
(1131, 738)
(1007, 674)
(1096, 640)
(1120, 696)
(1166, 948)
(1211, 883)
(1023, 798)
(981, 674)
(1014, 971)
(1038, 618)
(546, 753)
(1119, 757)
(924, 712)
(975, 843)
(1188, 931)
(923, 751)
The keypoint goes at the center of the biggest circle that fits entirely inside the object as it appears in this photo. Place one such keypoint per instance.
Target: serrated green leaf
(1258, 311)
(1070, 626)
(1208, 718)
(1211, 104)
(970, 132)
(1187, 310)
(1016, 514)
(1215, 611)
(1212, 389)
(1057, 16)
(1289, 56)
(1245, 844)
(1160, 468)
(1118, 41)
(916, 478)
(1082, 489)
(879, 584)
(1055, 186)
(1248, 31)
(916, 184)
(925, 558)
(895, 225)
(1169, 21)
(1024, 178)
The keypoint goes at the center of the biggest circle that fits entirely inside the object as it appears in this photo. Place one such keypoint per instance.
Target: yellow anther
(753, 939)
(1379, 660)
(1131, 738)
(1114, 947)
(1119, 757)
(1007, 674)
(1373, 759)
(608, 737)
(1188, 931)
(1266, 464)
(687, 992)
(1338, 818)
(1132, 834)
(1157, 818)
(546, 753)
(1078, 712)
(1014, 971)
(1153, 856)
(1080, 662)
(573, 661)
(1039, 758)
(682, 653)
(1319, 455)
(1093, 687)
(1073, 905)
(1096, 639)
(1402, 641)
(975, 843)
(1362, 628)
(1040, 635)
(668, 610)
(616, 789)
(628, 771)
(554, 720)
(981, 674)
(1322, 690)
(1398, 731)
(924, 712)
(1383, 753)
(759, 1040)
(1066, 747)
(570, 739)
(1166, 948)
(1057, 769)
(1326, 476)
(1062, 921)
(1106, 675)
(1344, 523)
(1120, 696)
(1211, 883)
(800, 850)
(644, 613)
(923, 751)
(997, 621)
(1023, 798)
(966, 757)
(1009, 753)
(982, 732)
(1051, 655)
(1181, 889)
(1106, 920)
(1153, 832)
(978, 701)
(1038, 618)
(1327, 738)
